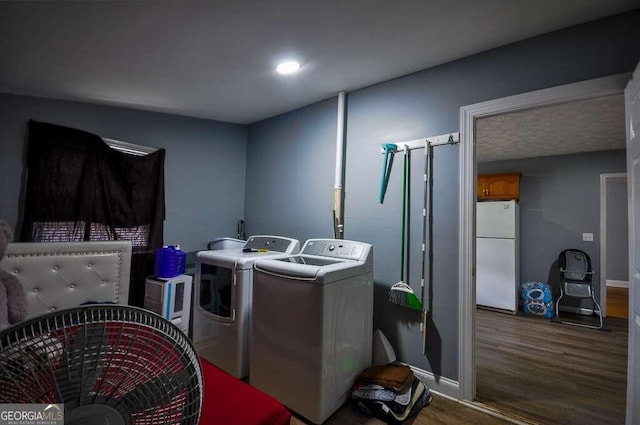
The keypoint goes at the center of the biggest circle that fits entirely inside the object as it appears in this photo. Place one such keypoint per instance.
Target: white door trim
(604, 179)
(466, 257)
(631, 105)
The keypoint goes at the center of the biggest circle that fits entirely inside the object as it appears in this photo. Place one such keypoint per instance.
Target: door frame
(599, 87)
(631, 97)
(604, 179)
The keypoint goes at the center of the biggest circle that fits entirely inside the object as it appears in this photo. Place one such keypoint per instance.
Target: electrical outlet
(587, 237)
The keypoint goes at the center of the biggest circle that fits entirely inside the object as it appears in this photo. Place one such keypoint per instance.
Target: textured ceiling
(216, 58)
(584, 126)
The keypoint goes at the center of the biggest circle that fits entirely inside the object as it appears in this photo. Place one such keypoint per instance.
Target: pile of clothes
(390, 392)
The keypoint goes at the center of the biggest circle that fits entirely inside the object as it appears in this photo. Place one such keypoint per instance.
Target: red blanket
(229, 401)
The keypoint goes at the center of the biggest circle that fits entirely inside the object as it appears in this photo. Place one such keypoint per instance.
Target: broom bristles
(402, 294)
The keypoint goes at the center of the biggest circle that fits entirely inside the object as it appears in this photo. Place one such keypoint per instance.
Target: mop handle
(427, 220)
(427, 244)
(404, 212)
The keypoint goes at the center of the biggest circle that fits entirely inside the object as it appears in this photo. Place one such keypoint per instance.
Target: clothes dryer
(312, 325)
(223, 288)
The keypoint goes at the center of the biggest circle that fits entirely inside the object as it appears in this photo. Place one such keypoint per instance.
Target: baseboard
(500, 310)
(576, 310)
(618, 283)
(442, 386)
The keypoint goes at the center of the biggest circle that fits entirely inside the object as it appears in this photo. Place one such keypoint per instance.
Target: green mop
(401, 293)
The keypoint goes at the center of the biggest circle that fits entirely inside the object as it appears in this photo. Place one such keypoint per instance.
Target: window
(80, 187)
(69, 231)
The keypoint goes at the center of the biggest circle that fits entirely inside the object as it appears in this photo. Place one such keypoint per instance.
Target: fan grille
(124, 357)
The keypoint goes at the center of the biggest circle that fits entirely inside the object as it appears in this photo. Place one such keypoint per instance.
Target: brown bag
(395, 377)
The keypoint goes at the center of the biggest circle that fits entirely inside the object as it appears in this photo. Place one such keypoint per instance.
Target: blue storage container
(170, 261)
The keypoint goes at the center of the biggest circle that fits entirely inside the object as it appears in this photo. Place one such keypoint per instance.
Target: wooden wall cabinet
(499, 187)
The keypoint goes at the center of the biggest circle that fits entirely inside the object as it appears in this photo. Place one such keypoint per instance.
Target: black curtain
(74, 176)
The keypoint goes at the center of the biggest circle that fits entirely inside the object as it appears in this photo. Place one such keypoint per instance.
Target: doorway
(468, 169)
(614, 245)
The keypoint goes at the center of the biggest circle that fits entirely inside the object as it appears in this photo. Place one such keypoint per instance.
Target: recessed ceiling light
(288, 67)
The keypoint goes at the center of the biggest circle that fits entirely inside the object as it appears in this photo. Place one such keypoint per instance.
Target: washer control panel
(337, 248)
(272, 243)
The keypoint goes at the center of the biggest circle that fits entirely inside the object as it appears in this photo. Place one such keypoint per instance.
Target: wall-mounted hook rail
(443, 139)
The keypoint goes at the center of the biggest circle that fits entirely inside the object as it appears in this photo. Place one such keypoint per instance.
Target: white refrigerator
(497, 255)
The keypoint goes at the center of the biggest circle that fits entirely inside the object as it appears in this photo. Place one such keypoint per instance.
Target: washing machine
(222, 299)
(312, 325)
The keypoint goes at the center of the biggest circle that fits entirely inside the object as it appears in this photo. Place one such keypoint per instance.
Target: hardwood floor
(534, 370)
(550, 372)
(441, 411)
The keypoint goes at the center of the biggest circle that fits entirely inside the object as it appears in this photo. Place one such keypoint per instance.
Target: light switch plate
(587, 237)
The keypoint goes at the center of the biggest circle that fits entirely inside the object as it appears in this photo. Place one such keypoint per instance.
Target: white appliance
(170, 298)
(223, 288)
(497, 255)
(313, 325)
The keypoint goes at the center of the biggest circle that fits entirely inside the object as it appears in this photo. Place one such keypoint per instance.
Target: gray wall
(559, 200)
(617, 231)
(290, 174)
(204, 165)
(419, 105)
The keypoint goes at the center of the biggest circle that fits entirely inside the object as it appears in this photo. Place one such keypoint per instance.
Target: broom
(401, 293)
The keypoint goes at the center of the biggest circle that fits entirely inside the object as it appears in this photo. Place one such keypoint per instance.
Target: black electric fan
(108, 364)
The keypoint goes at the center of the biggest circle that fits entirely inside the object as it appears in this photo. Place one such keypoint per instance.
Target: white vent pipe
(338, 193)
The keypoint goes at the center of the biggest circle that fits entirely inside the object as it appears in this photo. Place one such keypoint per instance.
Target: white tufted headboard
(58, 275)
